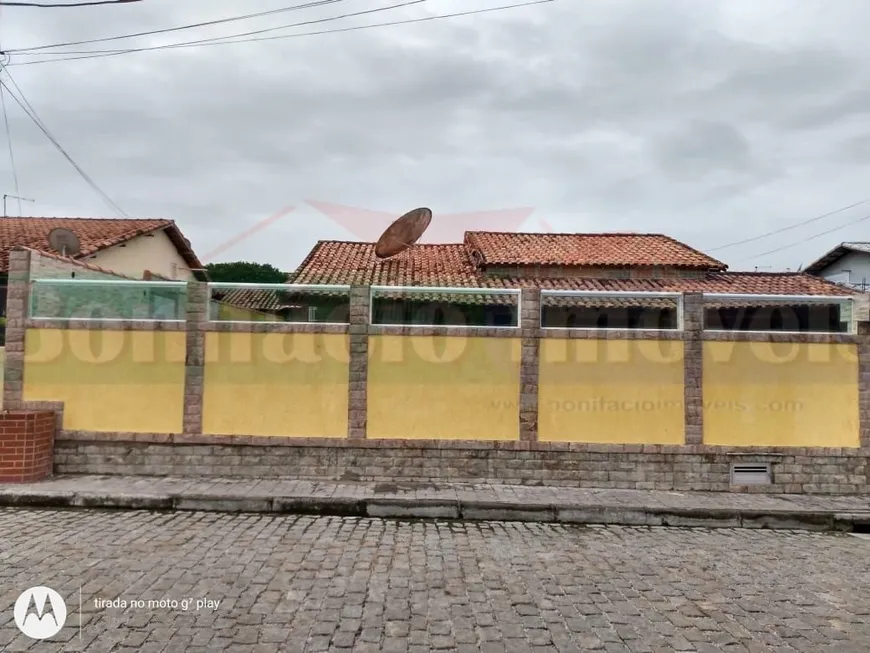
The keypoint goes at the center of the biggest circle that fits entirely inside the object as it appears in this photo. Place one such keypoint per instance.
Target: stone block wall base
(26, 445)
(699, 468)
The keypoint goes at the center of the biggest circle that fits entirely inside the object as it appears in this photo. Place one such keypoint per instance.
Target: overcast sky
(711, 121)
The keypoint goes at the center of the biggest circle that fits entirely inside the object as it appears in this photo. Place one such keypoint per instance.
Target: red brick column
(26, 446)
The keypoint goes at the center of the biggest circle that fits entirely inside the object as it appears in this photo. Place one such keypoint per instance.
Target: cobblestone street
(283, 583)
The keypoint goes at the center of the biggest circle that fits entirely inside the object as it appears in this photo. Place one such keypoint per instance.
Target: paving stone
(359, 584)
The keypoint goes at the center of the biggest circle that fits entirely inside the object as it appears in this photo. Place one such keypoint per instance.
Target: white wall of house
(154, 252)
(853, 268)
(48, 267)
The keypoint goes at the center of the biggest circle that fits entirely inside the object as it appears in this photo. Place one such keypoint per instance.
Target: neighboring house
(151, 301)
(107, 300)
(133, 249)
(616, 262)
(128, 247)
(847, 264)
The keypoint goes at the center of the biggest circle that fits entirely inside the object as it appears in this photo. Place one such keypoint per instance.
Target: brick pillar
(357, 401)
(17, 303)
(197, 316)
(693, 348)
(864, 384)
(530, 331)
(26, 446)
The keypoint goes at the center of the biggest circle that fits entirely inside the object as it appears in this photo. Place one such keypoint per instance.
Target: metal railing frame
(446, 290)
(805, 299)
(271, 286)
(516, 292)
(103, 282)
(615, 293)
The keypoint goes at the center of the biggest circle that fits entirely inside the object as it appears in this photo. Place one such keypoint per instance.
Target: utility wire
(221, 41)
(9, 142)
(11, 153)
(308, 5)
(28, 109)
(790, 227)
(264, 30)
(801, 242)
(43, 5)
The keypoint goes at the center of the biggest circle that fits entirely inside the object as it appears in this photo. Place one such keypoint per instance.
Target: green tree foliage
(245, 272)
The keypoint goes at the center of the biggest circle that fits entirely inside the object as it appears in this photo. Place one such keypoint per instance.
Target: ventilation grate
(751, 474)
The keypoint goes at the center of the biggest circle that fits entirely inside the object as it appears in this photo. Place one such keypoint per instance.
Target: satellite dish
(64, 241)
(403, 233)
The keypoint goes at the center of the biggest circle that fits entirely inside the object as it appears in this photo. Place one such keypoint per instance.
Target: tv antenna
(64, 241)
(15, 197)
(403, 233)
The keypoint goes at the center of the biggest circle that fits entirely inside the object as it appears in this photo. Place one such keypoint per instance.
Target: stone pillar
(693, 361)
(17, 304)
(864, 384)
(194, 366)
(530, 332)
(357, 399)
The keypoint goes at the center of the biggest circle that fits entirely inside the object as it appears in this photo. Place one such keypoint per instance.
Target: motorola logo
(40, 612)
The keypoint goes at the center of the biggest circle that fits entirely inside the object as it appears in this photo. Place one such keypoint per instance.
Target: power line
(43, 5)
(11, 153)
(801, 242)
(208, 23)
(264, 30)
(220, 41)
(31, 113)
(790, 227)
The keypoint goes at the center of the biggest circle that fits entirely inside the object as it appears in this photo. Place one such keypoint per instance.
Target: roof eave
(830, 257)
(185, 249)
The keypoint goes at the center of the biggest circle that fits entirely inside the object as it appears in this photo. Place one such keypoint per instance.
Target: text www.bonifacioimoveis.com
(601, 405)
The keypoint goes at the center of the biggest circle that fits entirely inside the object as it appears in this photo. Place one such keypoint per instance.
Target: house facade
(847, 264)
(128, 247)
(132, 249)
(616, 262)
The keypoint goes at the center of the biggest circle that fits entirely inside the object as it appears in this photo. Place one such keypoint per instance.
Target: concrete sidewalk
(447, 501)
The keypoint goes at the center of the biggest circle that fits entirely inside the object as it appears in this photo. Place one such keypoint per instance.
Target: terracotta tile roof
(600, 250)
(339, 262)
(258, 299)
(95, 234)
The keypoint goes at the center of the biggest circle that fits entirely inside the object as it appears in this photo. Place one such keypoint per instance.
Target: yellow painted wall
(276, 384)
(450, 388)
(611, 391)
(131, 381)
(780, 394)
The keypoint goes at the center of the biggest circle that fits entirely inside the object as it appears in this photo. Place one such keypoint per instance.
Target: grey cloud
(702, 146)
(854, 103)
(605, 114)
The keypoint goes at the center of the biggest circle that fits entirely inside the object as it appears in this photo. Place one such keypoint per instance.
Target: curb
(410, 508)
